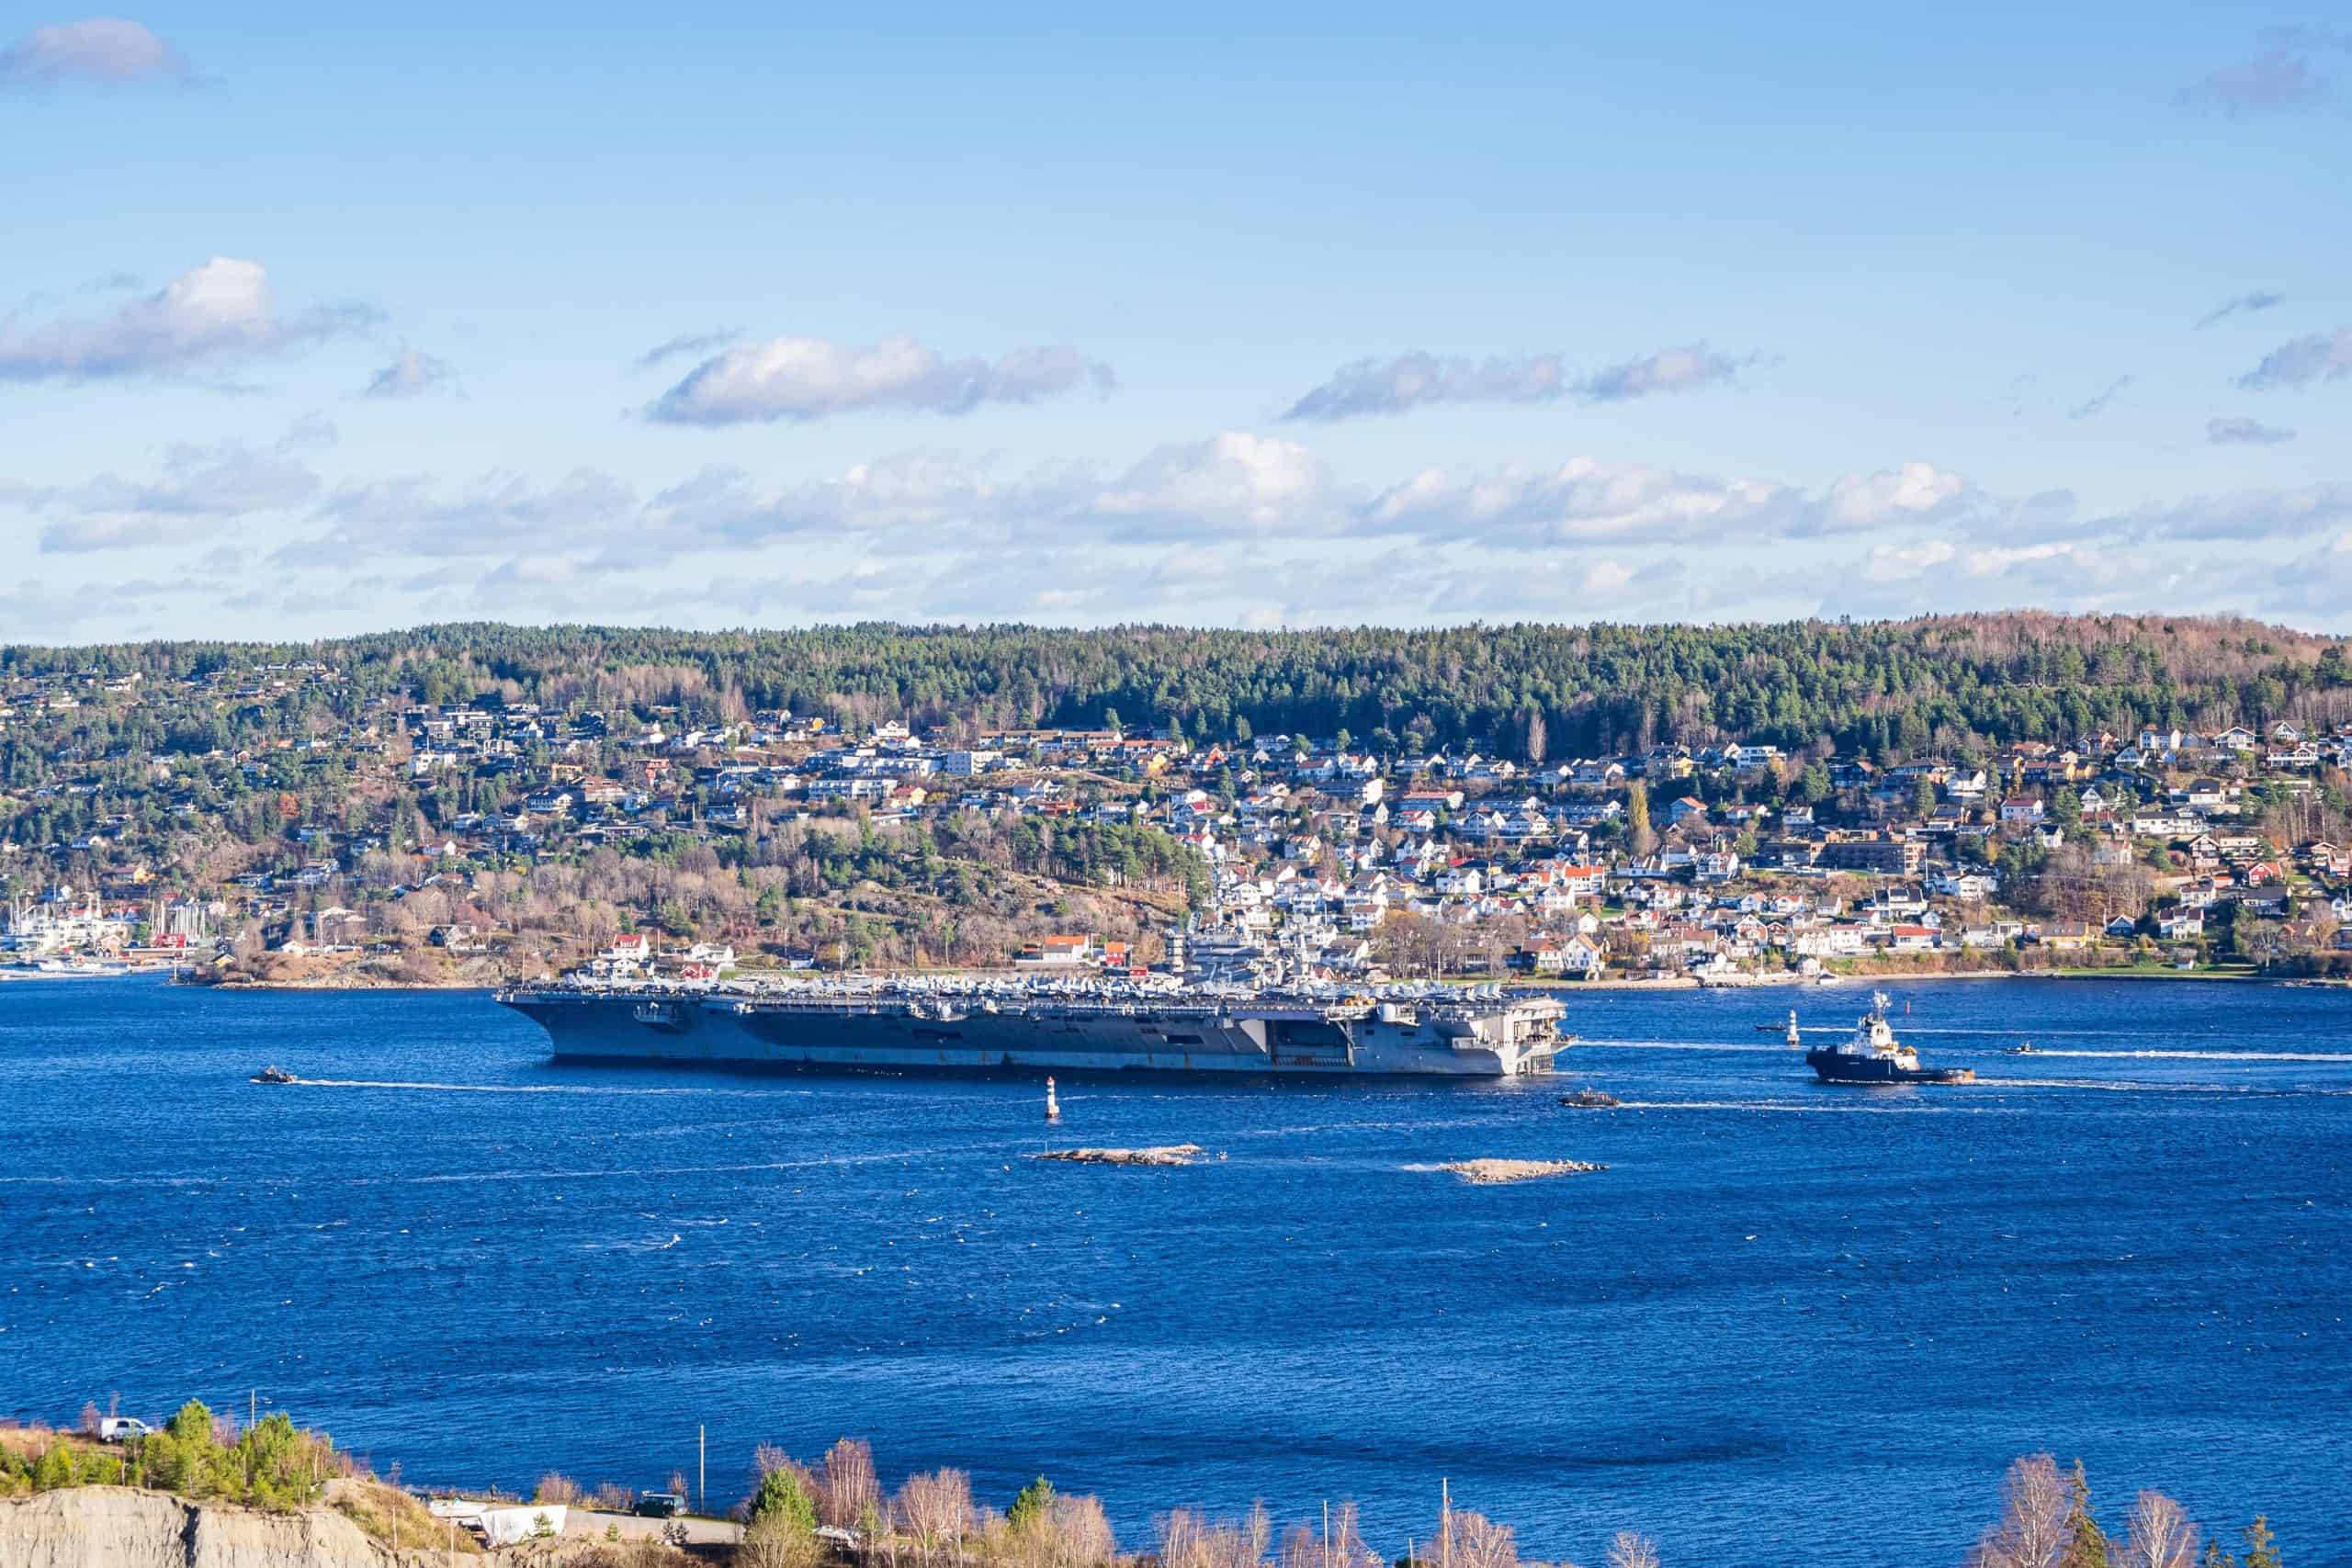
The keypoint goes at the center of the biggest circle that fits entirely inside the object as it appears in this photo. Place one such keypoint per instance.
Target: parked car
(660, 1506)
(122, 1428)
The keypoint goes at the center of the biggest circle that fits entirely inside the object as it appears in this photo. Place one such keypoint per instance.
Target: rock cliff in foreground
(119, 1527)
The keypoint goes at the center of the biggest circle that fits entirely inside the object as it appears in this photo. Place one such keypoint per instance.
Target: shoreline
(1620, 985)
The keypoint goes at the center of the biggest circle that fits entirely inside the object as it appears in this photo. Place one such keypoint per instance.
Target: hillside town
(250, 812)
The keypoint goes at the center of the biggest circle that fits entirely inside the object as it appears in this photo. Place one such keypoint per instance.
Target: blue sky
(1354, 313)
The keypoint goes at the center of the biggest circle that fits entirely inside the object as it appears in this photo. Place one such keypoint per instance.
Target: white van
(122, 1428)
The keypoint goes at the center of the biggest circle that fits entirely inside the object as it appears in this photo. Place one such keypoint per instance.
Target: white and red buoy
(1053, 1107)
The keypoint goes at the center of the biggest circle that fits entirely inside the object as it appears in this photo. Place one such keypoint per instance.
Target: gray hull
(1502, 1041)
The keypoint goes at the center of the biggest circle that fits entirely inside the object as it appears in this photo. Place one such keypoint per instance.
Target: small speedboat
(2023, 1048)
(1589, 1100)
(275, 1075)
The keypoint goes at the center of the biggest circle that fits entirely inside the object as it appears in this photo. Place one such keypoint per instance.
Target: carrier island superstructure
(922, 1024)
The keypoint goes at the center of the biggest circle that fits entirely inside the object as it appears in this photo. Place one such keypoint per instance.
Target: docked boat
(1875, 1056)
(62, 969)
(274, 1074)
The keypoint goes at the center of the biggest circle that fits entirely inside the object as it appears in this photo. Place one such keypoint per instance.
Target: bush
(783, 1500)
(775, 1541)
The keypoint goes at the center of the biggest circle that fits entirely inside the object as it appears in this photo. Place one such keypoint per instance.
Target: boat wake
(2202, 1056)
(1782, 1050)
(1842, 1105)
(2113, 1086)
(430, 1087)
(819, 1163)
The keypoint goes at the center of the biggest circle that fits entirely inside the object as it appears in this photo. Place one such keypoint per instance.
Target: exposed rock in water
(1495, 1172)
(1164, 1153)
(120, 1526)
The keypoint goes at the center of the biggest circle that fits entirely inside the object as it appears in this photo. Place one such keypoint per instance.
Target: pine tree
(2261, 1547)
(2087, 1544)
(782, 1496)
(1033, 1507)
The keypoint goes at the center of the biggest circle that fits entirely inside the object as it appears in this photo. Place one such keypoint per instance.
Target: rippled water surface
(1790, 1322)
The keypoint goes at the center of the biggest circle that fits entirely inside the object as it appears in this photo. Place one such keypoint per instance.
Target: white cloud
(1915, 493)
(2097, 403)
(1239, 527)
(810, 379)
(104, 49)
(219, 311)
(685, 344)
(1901, 563)
(1230, 485)
(199, 486)
(2249, 514)
(2240, 432)
(2284, 76)
(1410, 381)
(496, 513)
(1417, 379)
(2319, 357)
(1234, 481)
(409, 374)
(2255, 300)
(1584, 500)
(1668, 370)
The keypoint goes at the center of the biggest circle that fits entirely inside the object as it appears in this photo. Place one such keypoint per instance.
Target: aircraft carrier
(925, 1025)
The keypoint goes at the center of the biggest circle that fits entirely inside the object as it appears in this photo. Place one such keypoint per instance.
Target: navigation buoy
(1053, 1107)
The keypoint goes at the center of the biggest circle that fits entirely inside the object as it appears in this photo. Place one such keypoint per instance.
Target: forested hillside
(1882, 689)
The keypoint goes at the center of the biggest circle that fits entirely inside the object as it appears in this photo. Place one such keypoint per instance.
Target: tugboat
(275, 1075)
(1590, 1100)
(1875, 1056)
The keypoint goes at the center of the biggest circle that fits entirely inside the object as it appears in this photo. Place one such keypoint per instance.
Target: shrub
(782, 1498)
(53, 1468)
(774, 1540)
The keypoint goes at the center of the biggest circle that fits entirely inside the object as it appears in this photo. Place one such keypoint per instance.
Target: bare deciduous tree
(772, 1543)
(1082, 1535)
(1187, 1540)
(1468, 1539)
(2161, 1535)
(936, 1508)
(2032, 1531)
(1628, 1550)
(848, 1496)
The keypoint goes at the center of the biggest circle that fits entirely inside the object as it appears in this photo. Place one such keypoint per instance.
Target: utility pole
(1444, 1523)
(702, 1466)
(253, 1408)
(1327, 1532)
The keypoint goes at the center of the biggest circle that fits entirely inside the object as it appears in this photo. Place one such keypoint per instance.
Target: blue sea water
(1790, 1322)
